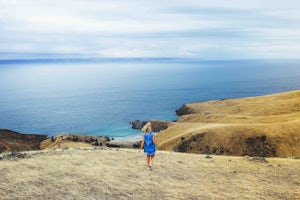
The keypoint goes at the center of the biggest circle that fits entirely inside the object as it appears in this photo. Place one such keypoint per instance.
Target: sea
(101, 97)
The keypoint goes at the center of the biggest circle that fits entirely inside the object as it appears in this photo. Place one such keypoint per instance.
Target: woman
(148, 142)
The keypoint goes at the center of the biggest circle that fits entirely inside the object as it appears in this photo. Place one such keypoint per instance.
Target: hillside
(256, 126)
(104, 173)
(81, 140)
(14, 141)
(11, 141)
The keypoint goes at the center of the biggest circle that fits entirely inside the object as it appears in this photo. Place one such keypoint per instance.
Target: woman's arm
(142, 144)
(154, 138)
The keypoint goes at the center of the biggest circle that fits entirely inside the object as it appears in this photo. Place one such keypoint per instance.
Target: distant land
(120, 59)
(63, 60)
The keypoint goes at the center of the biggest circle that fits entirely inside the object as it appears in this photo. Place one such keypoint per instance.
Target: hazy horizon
(69, 58)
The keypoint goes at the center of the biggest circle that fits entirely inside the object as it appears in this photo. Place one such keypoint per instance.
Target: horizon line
(132, 59)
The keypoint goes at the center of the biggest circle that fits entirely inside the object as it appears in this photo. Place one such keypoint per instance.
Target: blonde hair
(147, 127)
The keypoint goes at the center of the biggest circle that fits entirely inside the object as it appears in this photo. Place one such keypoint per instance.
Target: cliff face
(256, 126)
(14, 141)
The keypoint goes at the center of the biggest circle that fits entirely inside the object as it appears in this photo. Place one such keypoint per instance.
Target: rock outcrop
(184, 110)
(159, 125)
(137, 124)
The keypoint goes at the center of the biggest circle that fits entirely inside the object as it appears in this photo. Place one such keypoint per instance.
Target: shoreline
(130, 138)
(241, 126)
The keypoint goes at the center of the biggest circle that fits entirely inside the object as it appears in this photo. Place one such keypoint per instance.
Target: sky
(202, 29)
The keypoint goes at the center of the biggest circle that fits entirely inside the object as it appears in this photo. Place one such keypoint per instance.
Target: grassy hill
(256, 126)
(104, 173)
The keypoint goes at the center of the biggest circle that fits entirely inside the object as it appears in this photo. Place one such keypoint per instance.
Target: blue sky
(202, 29)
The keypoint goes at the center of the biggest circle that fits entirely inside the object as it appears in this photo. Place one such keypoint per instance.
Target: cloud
(122, 28)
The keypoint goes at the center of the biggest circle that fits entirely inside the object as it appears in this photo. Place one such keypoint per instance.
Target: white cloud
(209, 28)
(124, 52)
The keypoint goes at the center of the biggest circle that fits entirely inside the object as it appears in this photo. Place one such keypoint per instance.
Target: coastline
(243, 126)
(48, 112)
(130, 138)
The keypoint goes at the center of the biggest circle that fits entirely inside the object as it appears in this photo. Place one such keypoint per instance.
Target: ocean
(103, 97)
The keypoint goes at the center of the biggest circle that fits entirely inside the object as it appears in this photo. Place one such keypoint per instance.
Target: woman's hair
(147, 127)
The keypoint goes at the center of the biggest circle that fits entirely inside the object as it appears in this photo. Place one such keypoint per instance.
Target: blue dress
(149, 146)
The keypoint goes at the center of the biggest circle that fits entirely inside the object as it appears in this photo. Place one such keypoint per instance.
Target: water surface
(101, 98)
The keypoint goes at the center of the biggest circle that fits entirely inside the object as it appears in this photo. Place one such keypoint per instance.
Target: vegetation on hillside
(257, 126)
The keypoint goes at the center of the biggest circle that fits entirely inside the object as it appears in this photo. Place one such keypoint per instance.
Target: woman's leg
(152, 159)
(148, 160)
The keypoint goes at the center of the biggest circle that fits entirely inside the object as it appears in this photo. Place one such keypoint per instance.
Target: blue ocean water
(101, 98)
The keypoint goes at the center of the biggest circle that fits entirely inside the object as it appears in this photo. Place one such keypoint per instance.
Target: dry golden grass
(122, 174)
(268, 105)
(227, 124)
(71, 141)
(104, 173)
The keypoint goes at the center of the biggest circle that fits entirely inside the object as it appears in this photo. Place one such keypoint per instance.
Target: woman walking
(148, 143)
